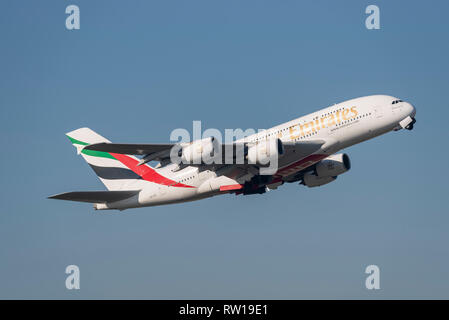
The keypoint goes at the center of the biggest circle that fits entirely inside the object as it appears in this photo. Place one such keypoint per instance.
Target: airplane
(305, 150)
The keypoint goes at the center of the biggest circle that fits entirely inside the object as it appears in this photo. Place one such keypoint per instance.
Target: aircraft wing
(292, 150)
(303, 147)
(138, 149)
(150, 151)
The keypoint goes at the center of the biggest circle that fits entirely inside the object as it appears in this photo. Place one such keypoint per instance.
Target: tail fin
(114, 174)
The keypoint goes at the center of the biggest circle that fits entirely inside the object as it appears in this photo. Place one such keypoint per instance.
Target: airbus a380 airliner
(304, 149)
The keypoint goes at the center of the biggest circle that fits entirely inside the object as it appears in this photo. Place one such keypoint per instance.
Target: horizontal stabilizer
(95, 196)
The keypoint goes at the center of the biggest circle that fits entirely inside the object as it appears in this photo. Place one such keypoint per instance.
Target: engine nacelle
(333, 165)
(197, 150)
(264, 151)
(310, 180)
(327, 170)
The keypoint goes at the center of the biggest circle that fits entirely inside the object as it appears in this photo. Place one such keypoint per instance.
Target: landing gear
(410, 126)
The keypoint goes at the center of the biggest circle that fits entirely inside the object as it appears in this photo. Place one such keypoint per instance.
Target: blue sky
(137, 70)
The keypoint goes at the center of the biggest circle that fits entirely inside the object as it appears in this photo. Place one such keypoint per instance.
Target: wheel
(410, 126)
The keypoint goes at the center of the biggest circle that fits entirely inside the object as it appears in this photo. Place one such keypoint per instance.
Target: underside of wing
(96, 196)
(299, 156)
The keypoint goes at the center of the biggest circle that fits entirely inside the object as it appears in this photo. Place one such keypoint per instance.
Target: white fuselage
(341, 125)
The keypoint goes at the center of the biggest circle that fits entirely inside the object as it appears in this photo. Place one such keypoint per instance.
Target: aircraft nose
(412, 110)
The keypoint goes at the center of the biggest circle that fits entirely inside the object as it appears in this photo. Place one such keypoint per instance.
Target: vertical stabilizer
(113, 173)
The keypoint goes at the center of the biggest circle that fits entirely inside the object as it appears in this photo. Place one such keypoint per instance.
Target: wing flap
(95, 196)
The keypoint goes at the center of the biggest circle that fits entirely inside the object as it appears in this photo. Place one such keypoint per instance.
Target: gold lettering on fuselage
(293, 136)
(331, 122)
(344, 114)
(322, 122)
(323, 119)
(337, 116)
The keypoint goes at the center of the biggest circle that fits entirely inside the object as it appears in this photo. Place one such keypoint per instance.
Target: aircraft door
(378, 112)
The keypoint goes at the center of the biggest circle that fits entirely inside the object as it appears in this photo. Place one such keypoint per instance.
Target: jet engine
(310, 180)
(333, 165)
(264, 151)
(197, 150)
(327, 170)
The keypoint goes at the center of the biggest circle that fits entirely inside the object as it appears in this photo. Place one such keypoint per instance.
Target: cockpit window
(396, 101)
